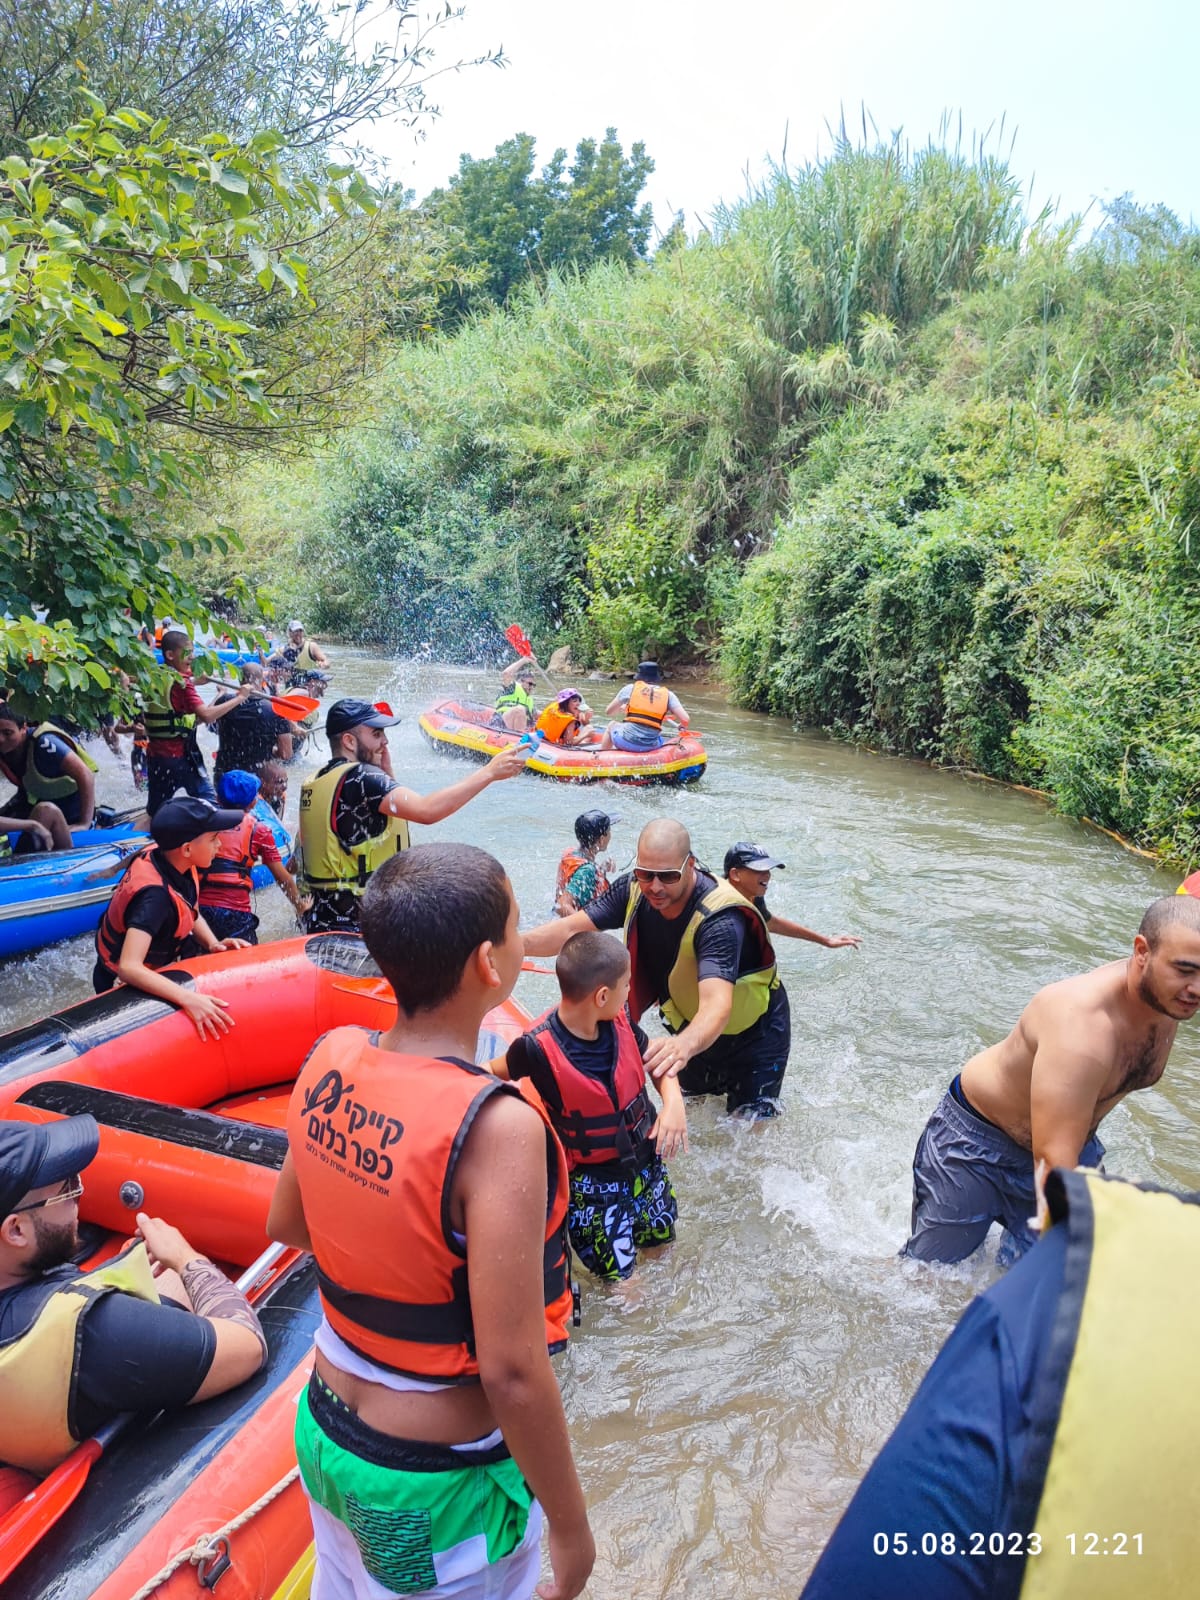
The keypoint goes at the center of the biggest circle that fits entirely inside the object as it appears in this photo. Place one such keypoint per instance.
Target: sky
(1095, 97)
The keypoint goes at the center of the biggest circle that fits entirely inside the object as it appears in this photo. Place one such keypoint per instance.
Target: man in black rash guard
(701, 952)
(134, 1341)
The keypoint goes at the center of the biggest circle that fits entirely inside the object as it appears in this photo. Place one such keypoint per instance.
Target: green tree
(117, 364)
(509, 224)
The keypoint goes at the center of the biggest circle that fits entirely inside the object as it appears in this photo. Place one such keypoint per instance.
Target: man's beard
(1148, 996)
(56, 1244)
(368, 758)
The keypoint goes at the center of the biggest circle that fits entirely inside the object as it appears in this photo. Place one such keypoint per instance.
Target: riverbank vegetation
(910, 464)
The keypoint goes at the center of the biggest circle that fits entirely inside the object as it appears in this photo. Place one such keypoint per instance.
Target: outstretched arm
(672, 1054)
(549, 938)
(445, 802)
(784, 928)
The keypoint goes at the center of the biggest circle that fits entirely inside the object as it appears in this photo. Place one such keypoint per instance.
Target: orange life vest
(554, 724)
(647, 705)
(568, 867)
(233, 865)
(143, 872)
(598, 1122)
(375, 1138)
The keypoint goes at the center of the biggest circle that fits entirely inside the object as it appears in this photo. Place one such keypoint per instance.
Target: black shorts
(747, 1068)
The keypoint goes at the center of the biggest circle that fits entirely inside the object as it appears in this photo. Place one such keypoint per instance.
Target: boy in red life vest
(153, 918)
(225, 883)
(581, 877)
(433, 1196)
(585, 1060)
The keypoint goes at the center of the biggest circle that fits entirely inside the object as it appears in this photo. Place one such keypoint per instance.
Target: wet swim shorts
(967, 1174)
(401, 1517)
(613, 1214)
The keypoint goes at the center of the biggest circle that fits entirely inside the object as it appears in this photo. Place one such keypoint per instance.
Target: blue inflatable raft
(45, 899)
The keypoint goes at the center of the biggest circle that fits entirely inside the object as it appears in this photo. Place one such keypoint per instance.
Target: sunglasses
(73, 1191)
(671, 875)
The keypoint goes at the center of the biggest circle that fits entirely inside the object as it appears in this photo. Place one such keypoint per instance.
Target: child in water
(585, 1060)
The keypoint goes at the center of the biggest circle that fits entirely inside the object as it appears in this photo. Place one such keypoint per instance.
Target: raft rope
(207, 1546)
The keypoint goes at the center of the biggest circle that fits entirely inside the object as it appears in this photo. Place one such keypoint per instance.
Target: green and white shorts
(397, 1517)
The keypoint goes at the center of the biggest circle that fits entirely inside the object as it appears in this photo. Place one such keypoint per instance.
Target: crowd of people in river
(431, 1439)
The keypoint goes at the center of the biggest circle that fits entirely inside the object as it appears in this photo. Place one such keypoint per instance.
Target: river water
(725, 1402)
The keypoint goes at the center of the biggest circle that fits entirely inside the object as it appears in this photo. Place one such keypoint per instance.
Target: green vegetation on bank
(915, 467)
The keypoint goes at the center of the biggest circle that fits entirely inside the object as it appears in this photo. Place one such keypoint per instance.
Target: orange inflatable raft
(191, 1131)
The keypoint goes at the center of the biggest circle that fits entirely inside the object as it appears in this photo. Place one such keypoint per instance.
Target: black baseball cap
(593, 825)
(346, 714)
(753, 856)
(34, 1154)
(648, 671)
(180, 821)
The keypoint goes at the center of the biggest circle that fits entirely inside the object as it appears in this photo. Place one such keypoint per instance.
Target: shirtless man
(1035, 1100)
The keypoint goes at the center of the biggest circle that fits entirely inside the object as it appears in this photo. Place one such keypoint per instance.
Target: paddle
(31, 1519)
(291, 707)
(522, 646)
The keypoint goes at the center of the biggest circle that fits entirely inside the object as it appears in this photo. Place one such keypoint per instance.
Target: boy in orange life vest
(562, 720)
(585, 1060)
(225, 883)
(153, 918)
(580, 876)
(433, 1197)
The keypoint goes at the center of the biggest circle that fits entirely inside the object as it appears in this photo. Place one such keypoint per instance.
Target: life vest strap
(447, 1322)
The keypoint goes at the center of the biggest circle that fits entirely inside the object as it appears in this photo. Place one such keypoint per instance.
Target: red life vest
(143, 872)
(598, 1122)
(375, 1139)
(232, 866)
(647, 705)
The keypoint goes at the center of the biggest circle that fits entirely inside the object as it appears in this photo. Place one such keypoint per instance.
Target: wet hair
(1170, 910)
(252, 672)
(11, 714)
(589, 961)
(424, 914)
(173, 640)
(272, 770)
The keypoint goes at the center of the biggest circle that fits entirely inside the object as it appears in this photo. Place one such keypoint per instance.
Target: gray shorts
(967, 1174)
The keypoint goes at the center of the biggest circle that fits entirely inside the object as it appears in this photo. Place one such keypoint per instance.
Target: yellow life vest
(37, 785)
(752, 990)
(162, 721)
(1110, 1470)
(325, 862)
(37, 1368)
(516, 694)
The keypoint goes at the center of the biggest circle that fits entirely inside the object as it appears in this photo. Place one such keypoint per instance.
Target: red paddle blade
(382, 705)
(518, 640)
(37, 1513)
(294, 708)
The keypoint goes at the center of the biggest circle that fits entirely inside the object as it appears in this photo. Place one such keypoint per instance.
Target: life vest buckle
(213, 1568)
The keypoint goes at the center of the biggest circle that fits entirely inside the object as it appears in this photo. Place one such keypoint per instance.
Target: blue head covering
(239, 788)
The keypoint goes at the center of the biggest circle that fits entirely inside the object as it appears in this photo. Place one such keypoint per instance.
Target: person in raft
(645, 704)
(581, 876)
(1035, 1100)
(748, 867)
(584, 1058)
(153, 918)
(354, 814)
(562, 721)
(174, 759)
(514, 707)
(433, 1196)
(156, 1327)
(226, 882)
(701, 953)
(54, 777)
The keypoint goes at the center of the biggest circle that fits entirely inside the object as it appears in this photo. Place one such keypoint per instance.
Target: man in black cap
(644, 704)
(153, 918)
(580, 876)
(157, 1327)
(701, 952)
(748, 868)
(354, 814)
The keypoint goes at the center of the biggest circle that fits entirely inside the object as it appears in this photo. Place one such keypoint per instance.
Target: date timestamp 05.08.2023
(1003, 1544)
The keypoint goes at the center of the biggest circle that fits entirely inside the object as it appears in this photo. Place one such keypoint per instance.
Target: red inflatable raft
(191, 1131)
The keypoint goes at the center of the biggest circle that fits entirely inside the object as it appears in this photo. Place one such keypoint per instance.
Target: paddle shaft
(297, 706)
(32, 1518)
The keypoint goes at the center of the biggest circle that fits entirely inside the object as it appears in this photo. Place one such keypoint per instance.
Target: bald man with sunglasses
(700, 952)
